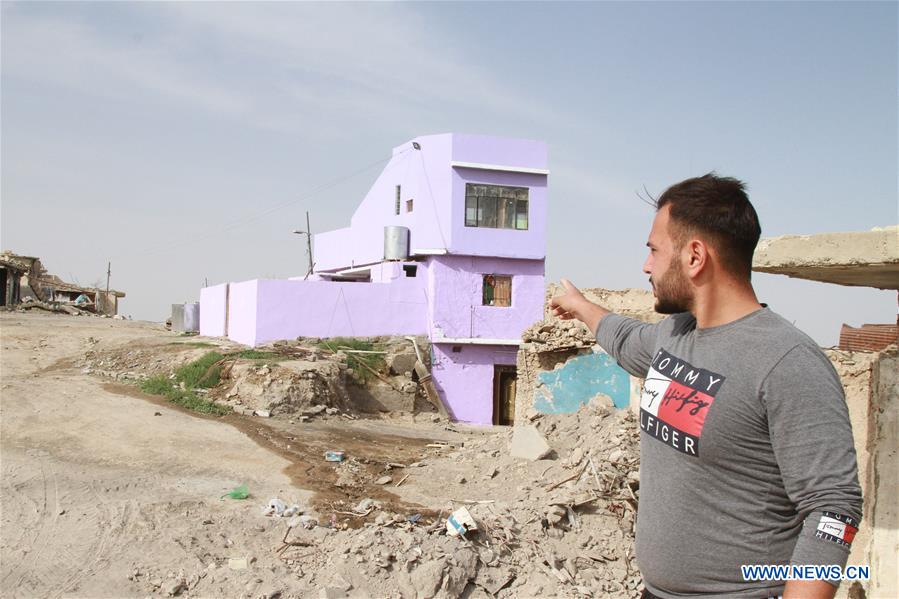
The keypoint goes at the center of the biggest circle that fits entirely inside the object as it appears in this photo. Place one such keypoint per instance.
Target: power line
(158, 249)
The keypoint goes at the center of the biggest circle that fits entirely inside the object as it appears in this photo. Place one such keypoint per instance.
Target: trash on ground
(241, 492)
(460, 522)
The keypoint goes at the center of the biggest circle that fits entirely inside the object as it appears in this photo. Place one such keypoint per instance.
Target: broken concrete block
(528, 443)
(427, 578)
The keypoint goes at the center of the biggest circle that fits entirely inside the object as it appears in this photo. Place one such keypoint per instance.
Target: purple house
(449, 242)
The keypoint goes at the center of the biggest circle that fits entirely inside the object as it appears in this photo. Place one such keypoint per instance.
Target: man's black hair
(718, 209)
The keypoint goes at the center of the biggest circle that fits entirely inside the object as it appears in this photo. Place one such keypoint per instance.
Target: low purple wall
(289, 309)
(465, 379)
(456, 291)
(212, 310)
(242, 312)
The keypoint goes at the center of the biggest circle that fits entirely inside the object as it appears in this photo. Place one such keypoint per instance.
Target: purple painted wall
(444, 300)
(455, 290)
(242, 312)
(465, 379)
(509, 243)
(528, 153)
(212, 312)
(423, 176)
(289, 309)
(437, 219)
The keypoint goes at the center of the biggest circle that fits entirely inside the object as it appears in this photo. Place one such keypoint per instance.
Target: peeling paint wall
(565, 389)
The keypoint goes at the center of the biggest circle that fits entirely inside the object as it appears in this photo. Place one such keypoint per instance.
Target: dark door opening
(504, 378)
(3, 287)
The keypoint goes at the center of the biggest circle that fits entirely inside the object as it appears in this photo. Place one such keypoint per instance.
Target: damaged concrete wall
(882, 483)
(560, 367)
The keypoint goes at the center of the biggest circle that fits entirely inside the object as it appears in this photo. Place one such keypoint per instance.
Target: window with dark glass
(496, 206)
(398, 188)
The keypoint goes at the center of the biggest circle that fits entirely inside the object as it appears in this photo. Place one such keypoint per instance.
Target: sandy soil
(100, 481)
(108, 492)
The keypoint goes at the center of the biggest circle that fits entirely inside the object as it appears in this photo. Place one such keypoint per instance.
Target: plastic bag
(241, 492)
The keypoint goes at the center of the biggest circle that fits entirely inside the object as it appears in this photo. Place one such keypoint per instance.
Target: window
(497, 290)
(397, 200)
(410, 270)
(496, 206)
(408, 205)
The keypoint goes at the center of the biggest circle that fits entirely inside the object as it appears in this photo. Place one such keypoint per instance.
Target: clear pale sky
(185, 141)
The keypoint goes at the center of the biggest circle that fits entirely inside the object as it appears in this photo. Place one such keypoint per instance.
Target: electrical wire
(155, 250)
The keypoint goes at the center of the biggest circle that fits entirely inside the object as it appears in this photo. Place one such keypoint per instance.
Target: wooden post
(106, 297)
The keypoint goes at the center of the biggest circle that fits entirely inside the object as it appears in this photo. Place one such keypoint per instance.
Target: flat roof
(856, 258)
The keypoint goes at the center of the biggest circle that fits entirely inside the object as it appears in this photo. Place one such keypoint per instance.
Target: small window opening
(457, 349)
(398, 190)
(497, 290)
(410, 269)
(408, 205)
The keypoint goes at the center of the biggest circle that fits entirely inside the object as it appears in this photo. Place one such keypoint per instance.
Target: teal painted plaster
(565, 390)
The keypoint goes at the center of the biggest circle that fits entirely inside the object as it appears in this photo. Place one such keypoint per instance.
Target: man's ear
(696, 257)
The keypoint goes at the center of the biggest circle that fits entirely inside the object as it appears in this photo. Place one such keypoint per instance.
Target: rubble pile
(551, 335)
(295, 386)
(135, 364)
(561, 526)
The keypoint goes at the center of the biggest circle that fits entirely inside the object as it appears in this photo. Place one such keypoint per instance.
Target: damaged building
(449, 243)
(25, 280)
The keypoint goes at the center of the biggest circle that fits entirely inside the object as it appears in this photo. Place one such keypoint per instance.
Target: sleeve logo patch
(676, 398)
(837, 528)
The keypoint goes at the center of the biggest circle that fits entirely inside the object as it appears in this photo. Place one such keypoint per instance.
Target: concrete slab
(528, 443)
(863, 258)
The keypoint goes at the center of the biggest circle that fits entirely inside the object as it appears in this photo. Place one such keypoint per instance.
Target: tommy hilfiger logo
(837, 528)
(676, 398)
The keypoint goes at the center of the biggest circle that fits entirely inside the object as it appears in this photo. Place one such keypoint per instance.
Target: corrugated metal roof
(870, 337)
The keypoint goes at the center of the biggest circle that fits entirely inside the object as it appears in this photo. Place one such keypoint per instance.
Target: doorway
(504, 378)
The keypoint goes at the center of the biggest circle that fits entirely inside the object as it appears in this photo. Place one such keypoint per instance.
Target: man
(747, 455)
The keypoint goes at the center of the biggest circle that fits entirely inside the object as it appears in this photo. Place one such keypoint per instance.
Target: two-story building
(449, 242)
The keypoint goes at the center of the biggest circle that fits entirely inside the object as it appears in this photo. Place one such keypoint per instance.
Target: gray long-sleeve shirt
(747, 455)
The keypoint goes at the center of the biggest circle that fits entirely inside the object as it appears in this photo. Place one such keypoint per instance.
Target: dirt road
(94, 481)
(110, 493)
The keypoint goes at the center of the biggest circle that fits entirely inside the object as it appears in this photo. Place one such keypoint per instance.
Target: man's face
(663, 265)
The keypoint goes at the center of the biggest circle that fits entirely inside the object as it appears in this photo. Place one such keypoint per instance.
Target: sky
(184, 142)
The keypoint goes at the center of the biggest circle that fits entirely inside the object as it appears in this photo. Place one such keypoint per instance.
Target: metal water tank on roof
(396, 243)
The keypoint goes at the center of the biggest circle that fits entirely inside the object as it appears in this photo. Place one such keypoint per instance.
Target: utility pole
(308, 234)
(106, 297)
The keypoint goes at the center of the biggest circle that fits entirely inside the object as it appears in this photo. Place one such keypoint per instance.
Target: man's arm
(573, 305)
(809, 589)
(811, 435)
(631, 342)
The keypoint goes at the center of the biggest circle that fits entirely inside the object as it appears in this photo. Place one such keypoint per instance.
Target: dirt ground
(108, 492)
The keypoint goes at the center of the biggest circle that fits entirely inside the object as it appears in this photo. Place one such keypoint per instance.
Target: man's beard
(672, 290)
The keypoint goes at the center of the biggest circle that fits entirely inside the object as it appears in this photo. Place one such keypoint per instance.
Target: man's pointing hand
(572, 304)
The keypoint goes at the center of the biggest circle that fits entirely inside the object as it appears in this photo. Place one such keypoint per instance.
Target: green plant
(255, 354)
(192, 344)
(204, 372)
(363, 364)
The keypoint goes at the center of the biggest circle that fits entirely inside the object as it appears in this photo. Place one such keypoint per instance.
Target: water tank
(396, 243)
(186, 317)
